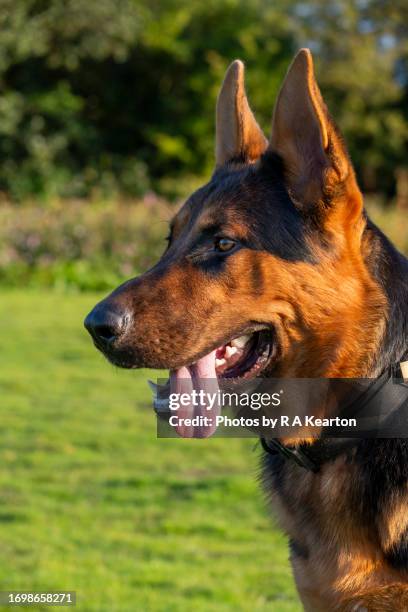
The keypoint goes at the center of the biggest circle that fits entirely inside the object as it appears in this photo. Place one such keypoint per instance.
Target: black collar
(312, 457)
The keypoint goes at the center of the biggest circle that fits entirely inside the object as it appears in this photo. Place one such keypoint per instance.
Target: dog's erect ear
(315, 159)
(238, 136)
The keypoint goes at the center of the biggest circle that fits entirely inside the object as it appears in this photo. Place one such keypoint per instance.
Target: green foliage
(79, 244)
(117, 96)
(114, 96)
(361, 52)
(91, 500)
(88, 246)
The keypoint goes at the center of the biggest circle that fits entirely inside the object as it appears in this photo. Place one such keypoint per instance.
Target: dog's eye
(224, 244)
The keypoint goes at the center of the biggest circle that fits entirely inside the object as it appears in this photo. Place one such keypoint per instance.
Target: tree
(361, 55)
(119, 95)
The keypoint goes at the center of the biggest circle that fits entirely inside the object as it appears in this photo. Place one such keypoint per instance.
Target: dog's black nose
(105, 324)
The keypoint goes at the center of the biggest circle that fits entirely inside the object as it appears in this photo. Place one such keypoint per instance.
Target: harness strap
(311, 458)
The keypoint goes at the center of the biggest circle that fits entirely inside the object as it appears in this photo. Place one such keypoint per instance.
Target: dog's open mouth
(241, 358)
(245, 356)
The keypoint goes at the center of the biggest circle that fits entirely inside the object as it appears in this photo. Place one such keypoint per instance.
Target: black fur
(298, 550)
(397, 556)
(383, 477)
(258, 197)
(390, 269)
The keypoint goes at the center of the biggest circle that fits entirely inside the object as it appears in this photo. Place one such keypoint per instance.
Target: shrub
(95, 246)
(78, 244)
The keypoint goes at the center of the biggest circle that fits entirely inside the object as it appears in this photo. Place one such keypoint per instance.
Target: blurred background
(106, 124)
(107, 115)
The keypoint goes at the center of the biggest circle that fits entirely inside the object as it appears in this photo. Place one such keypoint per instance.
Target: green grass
(91, 501)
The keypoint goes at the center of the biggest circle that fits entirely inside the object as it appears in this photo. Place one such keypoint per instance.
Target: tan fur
(305, 137)
(237, 132)
(394, 521)
(345, 563)
(180, 312)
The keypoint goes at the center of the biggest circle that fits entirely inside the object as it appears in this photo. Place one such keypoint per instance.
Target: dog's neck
(390, 270)
(363, 332)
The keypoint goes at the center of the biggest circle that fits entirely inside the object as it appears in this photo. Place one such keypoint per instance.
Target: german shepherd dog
(274, 269)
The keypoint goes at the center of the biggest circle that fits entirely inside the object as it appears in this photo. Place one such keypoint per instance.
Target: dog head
(265, 271)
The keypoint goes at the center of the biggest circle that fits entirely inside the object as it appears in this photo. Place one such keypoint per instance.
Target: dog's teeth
(230, 351)
(240, 342)
(220, 362)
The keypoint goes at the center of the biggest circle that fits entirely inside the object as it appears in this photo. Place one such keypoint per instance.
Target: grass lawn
(91, 501)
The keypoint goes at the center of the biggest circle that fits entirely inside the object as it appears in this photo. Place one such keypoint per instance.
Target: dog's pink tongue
(203, 406)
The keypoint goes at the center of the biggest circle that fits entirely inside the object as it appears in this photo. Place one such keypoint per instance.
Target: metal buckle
(404, 371)
(399, 373)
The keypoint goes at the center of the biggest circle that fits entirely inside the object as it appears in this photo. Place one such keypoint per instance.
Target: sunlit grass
(92, 501)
